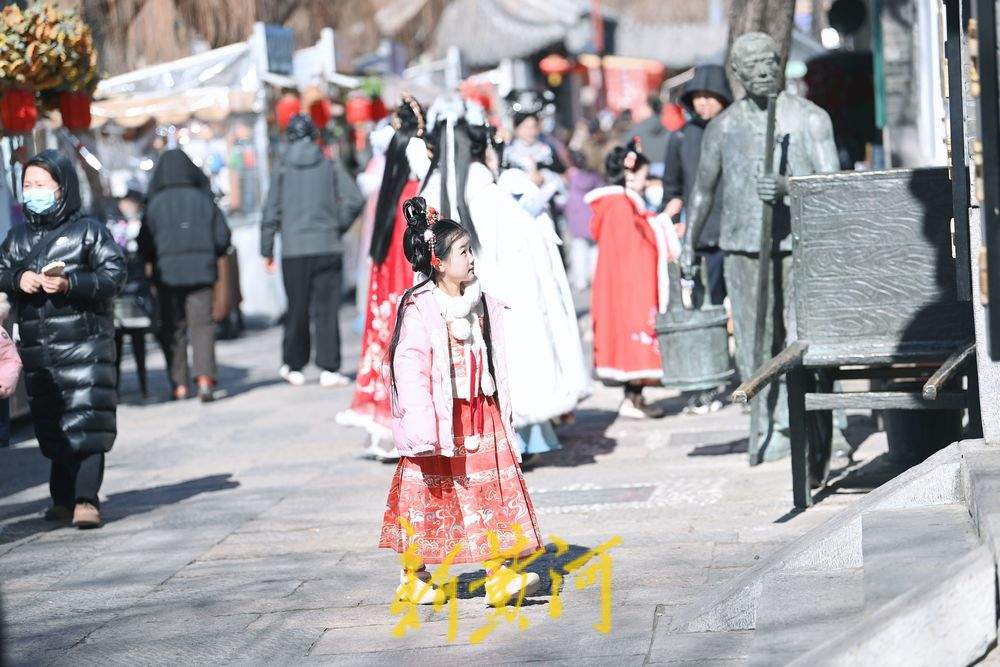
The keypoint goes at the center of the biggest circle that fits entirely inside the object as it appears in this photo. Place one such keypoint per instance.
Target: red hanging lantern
(18, 111)
(359, 110)
(379, 110)
(289, 105)
(75, 111)
(321, 113)
(554, 67)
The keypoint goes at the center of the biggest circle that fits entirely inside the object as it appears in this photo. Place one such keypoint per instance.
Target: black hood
(62, 170)
(302, 153)
(710, 78)
(175, 169)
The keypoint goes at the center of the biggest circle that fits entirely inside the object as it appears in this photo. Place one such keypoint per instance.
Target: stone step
(947, 619)
(800, 610)
(833, 545)
(905, 547)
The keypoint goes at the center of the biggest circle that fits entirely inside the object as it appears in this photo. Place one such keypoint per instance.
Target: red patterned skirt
(461, 498)
(370, 407)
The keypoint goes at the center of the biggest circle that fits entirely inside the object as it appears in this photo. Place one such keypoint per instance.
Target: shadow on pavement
(582, 441)
(117, 506)
(738, 446)
(23, 468)
(231, 381)
(543, 566)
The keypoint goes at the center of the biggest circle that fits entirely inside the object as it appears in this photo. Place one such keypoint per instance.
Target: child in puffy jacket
(458, 480)
(10, 371)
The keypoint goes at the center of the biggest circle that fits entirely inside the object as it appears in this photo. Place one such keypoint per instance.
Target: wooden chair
(875, 299)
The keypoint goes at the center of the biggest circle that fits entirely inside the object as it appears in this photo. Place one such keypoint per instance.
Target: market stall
(226, 109)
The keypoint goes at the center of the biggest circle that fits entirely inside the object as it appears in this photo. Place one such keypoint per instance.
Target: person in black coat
(705, 96)
(183, 234)
(67, 332)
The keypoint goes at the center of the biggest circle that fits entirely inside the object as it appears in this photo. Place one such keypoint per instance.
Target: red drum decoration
(75, 110)
(18, 112)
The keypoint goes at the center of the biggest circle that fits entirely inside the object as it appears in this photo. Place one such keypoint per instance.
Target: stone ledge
(833, 545)
(950, 620)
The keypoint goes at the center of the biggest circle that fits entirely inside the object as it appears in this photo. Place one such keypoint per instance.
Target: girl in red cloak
(630, 282)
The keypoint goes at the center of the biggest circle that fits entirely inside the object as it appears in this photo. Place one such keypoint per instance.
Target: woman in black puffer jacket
(67, 332)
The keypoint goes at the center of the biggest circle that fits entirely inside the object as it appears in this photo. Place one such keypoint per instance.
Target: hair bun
(415, 210)
(615, 159)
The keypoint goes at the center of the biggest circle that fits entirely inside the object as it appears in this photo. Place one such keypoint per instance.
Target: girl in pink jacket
(458, 479)
(10, 371)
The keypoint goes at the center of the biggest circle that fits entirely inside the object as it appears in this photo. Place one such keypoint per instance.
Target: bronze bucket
(694, 342)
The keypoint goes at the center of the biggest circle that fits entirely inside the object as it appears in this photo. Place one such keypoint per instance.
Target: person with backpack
(312, 201)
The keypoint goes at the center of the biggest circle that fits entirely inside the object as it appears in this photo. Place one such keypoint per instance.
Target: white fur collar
(610, 190)
(457, 310)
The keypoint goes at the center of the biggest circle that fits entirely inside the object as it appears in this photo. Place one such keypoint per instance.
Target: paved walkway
(245, 531)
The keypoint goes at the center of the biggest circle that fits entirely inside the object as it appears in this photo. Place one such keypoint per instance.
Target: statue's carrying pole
(764, 258)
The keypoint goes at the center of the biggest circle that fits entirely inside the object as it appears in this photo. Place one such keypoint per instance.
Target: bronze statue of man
(733, 149)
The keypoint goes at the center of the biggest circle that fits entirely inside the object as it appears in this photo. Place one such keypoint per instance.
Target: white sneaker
(295, 378)
(505, 584)
(416, 588)
(333, 379)
(629, 410)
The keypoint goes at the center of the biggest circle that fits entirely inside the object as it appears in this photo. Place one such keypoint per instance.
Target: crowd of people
(537, 219)
(545, 218)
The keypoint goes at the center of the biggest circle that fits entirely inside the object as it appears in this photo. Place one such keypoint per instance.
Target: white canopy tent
(225, 83)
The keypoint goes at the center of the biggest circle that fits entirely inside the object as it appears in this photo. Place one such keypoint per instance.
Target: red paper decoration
(320, 112)
(75, 110)
(18, 111)
(359, 110)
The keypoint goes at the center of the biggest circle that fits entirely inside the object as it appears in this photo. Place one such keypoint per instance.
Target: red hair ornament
(432, 218)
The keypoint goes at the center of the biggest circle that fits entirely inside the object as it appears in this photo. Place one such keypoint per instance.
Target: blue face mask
(39, 200)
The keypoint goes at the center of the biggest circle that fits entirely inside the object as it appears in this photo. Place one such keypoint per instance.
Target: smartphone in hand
(54, 269)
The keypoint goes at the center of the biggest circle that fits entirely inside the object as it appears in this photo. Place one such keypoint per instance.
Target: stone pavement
(245, 531)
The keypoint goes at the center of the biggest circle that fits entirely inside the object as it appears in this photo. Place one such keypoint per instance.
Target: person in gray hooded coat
(312, 201)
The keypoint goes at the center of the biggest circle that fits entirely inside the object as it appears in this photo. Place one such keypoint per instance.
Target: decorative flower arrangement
(45, 47)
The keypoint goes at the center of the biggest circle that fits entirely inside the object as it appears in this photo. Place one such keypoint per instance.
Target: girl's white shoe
(506, 584)
(416, 588)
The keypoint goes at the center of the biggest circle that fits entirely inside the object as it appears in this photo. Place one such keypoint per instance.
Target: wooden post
(801, 493)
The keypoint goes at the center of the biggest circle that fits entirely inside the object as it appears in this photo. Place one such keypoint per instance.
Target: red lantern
(359, 110)
(18, 112)
(379, 110)
(320, 112)
(554, 66)
(75, 110)
(289, 105)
